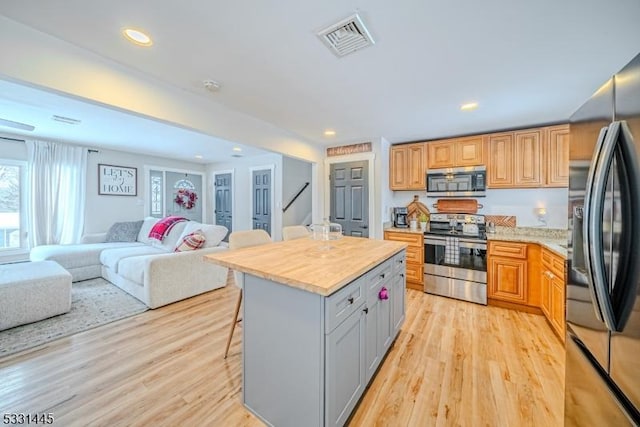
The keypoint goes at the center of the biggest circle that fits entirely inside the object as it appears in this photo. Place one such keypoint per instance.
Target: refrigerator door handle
(598, 278)
(628, 276)
(587, 214)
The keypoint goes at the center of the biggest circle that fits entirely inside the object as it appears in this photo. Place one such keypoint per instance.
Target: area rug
(94, 302)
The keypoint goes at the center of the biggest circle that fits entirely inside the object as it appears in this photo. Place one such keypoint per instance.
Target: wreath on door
(186, 198)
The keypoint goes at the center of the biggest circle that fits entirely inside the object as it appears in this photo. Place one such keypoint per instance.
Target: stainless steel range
(455, 257)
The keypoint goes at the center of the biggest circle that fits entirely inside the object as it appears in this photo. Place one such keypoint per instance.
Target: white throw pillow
(143, 235)
(170, 241)
(212, 233)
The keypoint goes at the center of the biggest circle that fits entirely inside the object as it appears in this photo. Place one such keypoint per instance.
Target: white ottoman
(32, 291)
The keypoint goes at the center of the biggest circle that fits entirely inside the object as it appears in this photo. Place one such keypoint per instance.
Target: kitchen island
(317, 323)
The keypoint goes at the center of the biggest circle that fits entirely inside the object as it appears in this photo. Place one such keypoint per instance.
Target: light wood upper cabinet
(470, 151)
(441, 154)
(527, 157)
(556, 156)
(407, 167)
(416, 176)
(500, 164)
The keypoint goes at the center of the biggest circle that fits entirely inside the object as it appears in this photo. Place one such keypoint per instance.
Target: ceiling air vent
(16, 125)
(346, 36)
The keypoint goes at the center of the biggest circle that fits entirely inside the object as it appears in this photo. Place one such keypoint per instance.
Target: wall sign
(117, 180)
(349, 149)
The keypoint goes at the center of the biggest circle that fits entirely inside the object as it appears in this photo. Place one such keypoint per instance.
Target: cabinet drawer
(508, 250)
(377, 278)
(341, 304)
(412, 239)
(553, 263)
(415, 273)
(399, 262)
(415, 255)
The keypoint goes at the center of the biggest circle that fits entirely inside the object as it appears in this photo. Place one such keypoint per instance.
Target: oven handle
(461, 243)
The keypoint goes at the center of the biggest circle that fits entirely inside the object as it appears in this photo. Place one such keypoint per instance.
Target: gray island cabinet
(311, 344)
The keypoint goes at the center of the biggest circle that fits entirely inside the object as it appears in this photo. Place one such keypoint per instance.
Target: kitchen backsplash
(501, 220)
(518, 203)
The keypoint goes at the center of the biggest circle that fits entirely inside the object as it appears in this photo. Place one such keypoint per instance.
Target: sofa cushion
(75, 256)
(170, 241)
(132, 268)
(111, 257)
(191, 242)
(147, 225)
(213, 234)
(124, 231)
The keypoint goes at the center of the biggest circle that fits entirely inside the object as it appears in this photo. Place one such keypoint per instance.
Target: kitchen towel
(452, 250)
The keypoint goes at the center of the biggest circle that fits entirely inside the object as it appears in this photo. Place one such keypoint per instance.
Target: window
(12, 212)
(175, 192)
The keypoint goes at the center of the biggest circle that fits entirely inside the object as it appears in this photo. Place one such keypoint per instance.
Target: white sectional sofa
(148, 270)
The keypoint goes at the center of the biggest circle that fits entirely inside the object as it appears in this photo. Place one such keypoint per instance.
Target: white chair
(237, 240)
(295, 232)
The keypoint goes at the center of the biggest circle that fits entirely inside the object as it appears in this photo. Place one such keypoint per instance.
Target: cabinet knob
(366, 310)
(382, 275)
(401, 274)
(350, 299)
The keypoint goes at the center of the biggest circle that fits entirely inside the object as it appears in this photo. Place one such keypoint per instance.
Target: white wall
(295, 174)
(520, 202)
(102, 211)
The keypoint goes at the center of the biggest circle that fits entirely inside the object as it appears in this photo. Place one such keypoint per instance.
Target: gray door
(262, 200)
(350, 197)
(224, 210)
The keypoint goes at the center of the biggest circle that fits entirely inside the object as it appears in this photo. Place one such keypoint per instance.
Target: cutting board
(415, 208)
(463, 206)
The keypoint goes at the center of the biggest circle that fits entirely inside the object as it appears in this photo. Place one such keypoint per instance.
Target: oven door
(456, 268)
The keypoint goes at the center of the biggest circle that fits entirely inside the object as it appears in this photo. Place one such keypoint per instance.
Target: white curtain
(57, 176)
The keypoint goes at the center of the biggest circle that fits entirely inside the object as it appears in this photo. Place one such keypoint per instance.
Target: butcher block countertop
(303, 264)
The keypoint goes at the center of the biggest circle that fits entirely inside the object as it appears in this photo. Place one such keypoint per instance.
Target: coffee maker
(400, 219)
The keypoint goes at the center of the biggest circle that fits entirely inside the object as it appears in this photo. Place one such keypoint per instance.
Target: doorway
(349, 197)
(223, 183)
(261, 199)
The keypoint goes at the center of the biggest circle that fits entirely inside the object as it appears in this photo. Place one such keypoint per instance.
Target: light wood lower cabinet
(526, 277)
(507, 272)
(553, 285)
(415, 256)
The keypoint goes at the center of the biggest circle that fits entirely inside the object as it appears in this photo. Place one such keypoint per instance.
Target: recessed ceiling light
(198, 156)
(137, 37)
(470, 106)
(329, 132)
(238, 149)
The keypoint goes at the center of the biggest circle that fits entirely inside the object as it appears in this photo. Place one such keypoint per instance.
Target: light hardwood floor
(454, 363)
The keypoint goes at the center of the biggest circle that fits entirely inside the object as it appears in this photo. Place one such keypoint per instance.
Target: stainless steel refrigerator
(602, 382)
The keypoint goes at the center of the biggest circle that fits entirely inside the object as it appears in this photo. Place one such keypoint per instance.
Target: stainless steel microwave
(468, 181)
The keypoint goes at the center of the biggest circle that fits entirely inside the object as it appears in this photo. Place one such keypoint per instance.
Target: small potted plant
(423, 221)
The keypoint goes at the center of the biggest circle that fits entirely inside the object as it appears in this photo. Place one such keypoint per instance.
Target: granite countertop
(553, 239)
(303, 264)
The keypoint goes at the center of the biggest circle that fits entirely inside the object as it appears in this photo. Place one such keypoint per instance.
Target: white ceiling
(525, 63)
(101, 126)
